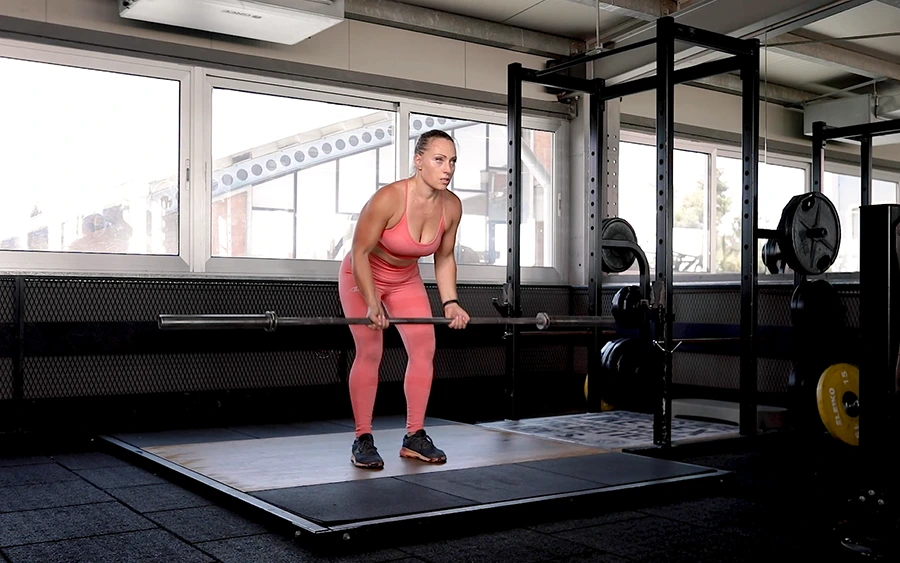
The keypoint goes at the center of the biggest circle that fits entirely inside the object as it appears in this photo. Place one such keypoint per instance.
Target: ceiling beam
(771, 92)
(646, 10)
(845, 59)
(758, 19)
(462, 28)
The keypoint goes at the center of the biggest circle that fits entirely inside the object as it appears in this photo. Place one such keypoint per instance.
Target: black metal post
(585, 58)
(514, 220)
(818, 156)
(695, 72)
(818, 173)
(750, 257)
(712, 40)
(867, 129)
(879, 288)
(596, 210)
(665, 216)
(556, 81)
(865, 161)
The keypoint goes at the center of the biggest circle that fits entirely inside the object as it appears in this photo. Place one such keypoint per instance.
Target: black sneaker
(365, 454)
(419, 446)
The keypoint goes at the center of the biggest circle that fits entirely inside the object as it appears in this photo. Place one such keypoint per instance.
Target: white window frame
(537, 275)
(41, 261)
(327, 270)
(836, 167)
(313, 270)
(636, 137)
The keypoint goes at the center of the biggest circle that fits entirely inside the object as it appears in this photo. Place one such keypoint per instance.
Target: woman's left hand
(458, 315)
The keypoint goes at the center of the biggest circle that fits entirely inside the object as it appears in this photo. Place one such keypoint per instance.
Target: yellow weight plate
(604, 406)
(837, 396)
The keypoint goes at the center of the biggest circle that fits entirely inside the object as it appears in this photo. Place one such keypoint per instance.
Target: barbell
(269, 321)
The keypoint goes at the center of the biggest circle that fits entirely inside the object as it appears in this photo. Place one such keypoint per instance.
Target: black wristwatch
(449, 302)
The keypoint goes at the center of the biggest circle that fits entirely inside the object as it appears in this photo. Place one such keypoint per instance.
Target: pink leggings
(402, 292)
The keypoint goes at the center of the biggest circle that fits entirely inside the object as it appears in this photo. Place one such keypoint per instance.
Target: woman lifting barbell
(402, 222)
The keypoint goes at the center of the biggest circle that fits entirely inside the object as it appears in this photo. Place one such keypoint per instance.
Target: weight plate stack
(809, 233)
(816, 310)
(626, 307)
(617, 260)
(626, 366)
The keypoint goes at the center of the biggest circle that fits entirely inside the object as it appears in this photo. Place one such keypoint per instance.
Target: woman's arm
(373, 219)
(445, 267)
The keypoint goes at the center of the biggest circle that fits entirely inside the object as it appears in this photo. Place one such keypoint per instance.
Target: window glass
(90, 159)
(844, 192)
(480, 181)
(329, 158)
(776, 186)
(637, 203)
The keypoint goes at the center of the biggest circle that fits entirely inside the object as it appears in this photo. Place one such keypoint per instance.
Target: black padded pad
(499, 483)
(366, 499)
(617, 468)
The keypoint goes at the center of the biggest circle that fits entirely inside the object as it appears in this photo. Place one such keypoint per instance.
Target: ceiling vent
(854, 110)
(278, 21)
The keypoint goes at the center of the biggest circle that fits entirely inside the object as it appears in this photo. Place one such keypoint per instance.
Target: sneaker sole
(404, 452)
(372, 465)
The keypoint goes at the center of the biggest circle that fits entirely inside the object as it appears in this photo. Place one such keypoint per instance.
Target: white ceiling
(871, 18)
(569, 18)
(576, 19)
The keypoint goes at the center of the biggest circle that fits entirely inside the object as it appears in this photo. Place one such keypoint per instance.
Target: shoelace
(367, 447)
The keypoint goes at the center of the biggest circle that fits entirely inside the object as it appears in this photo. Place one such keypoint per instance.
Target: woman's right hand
(377, 316)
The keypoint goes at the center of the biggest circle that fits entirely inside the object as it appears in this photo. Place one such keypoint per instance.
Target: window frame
(731, 151)
(327, 270)
(846, 169)
(471, 273)
(57, 262)
(313, 270)
(710, 149)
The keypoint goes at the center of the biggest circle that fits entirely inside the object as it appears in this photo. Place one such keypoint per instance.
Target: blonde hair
(424, 141)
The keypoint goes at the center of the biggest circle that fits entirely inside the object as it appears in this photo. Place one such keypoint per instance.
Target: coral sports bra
(398, 242)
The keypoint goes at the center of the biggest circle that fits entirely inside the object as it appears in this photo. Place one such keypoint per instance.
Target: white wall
(351, 45)
(718, 111)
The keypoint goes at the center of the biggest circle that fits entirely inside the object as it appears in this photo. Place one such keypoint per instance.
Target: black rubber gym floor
(305, 472)
(71, 500)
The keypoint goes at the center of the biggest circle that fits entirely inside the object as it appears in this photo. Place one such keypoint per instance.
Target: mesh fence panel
(92, 376)
(7, 333)
(6, 378)
(120, 300)
(7, 300)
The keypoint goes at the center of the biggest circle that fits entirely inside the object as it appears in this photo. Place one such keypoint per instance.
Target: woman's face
(437, 164)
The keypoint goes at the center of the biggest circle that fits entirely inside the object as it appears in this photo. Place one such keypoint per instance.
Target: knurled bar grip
(269, 321)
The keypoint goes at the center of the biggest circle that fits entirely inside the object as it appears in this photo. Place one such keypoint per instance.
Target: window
(637, 203)
(777, 184)
(843, 189)
(290, 175)
(480, 181)
(91, 159)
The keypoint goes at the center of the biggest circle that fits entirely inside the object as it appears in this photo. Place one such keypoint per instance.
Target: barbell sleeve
(269, 321)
